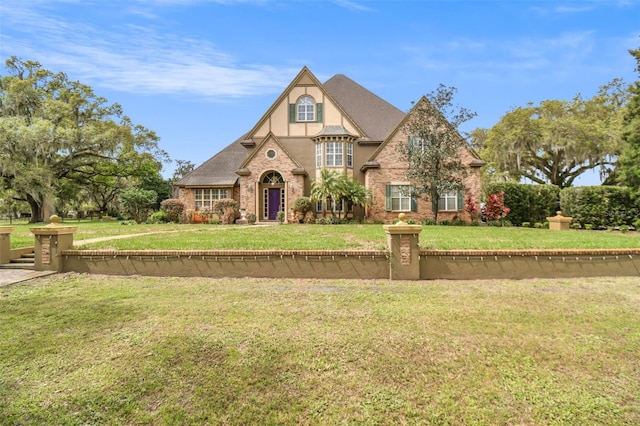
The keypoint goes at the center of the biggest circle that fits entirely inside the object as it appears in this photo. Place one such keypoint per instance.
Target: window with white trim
(319, 155)
(349, 154)
(333, 154)
(204, 198)
(306, 109)
(337, 206)
(448, 201)
(399, 198)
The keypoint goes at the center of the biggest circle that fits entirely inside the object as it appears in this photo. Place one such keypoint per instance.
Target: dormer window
(306, 109)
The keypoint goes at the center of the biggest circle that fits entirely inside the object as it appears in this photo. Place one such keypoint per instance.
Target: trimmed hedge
(528, 203)
(600, 206)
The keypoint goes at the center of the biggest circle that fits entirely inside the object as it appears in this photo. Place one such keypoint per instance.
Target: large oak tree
(557, 141)
(54, 130)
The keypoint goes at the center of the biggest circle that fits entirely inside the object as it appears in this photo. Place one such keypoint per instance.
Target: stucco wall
(370, 264)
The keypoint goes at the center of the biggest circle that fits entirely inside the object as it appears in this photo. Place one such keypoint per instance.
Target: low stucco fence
(524, 264)
(403, 260)
(364, 264)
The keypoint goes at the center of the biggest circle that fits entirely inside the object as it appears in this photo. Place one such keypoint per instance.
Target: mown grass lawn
(310, 237)
(79, 349)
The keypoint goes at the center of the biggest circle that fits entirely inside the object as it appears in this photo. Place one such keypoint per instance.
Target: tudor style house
(337, 125)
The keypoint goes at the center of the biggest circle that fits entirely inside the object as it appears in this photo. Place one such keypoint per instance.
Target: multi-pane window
(349, 154)
(306, 109)
(204, 198)
(333, 154)
(331, 205)
(319, 155)
(448, 201)
(399, 198)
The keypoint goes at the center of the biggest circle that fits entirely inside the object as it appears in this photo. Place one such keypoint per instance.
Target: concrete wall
(434, 264)
(500, 264)
(369, 264)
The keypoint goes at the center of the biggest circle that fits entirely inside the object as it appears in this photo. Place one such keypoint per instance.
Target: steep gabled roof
(375, 116)
(477, 162)
(219, 170)
(269, 137)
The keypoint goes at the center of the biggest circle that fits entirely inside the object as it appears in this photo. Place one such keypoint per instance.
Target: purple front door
(274, 203)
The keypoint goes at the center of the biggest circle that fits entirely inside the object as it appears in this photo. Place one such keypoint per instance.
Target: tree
(434, 145)
(138, 203)
(183, 167)
(629, 162)
(54, 130)
(557, 141)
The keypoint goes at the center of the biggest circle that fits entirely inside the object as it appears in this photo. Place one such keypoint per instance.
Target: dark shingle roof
(372, 114)
(375, 116)
(218, 170)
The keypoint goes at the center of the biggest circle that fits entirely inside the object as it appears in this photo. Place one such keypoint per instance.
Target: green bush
(601, 206)
(280, 216)
(527, 203)
(158, 217)
(251, 218)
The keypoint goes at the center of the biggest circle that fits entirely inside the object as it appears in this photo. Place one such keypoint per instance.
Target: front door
(274, 203)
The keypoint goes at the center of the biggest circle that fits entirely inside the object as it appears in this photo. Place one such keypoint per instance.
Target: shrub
(280, 216)
(227, 210)
(429, 221)
(302, 205)
(527, 202)
(158, 217)
(444, 222)
(602, 206)
(138, 202)
(251, 218)
(495, 208)
(458, 221)
(173, 209)
(624, 228)
(526, 224)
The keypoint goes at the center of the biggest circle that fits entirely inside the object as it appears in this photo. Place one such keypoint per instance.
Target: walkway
(12, 276)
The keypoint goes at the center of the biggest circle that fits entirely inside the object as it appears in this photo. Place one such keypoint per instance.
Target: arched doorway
(272, 195)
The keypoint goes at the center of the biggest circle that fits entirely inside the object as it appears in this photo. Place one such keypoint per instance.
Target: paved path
(12, 276)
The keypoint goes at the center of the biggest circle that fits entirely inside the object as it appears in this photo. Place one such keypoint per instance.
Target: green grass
(333, 237)
(114, 350)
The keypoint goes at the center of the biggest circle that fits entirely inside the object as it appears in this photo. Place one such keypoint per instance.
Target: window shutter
(434, 206)
(319, 112)
(460, 202)
(292, 113)
(414, 203)
(410, 141)
(387, 200)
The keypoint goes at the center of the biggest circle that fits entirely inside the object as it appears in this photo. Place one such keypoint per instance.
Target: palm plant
(326, 188)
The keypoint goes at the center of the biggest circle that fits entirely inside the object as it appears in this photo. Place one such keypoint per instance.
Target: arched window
(306, 109)
(272, 178)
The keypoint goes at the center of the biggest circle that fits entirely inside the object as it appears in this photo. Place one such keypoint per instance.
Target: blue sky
(201, 72)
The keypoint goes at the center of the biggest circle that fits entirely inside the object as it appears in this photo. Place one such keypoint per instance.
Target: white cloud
(137, 59)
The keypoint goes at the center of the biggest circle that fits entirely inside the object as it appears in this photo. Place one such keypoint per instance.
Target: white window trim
(306, 109)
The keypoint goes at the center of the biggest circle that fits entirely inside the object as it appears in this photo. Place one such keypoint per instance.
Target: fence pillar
(559, 222)
(50, 241)
(5, 244)
(404, 251)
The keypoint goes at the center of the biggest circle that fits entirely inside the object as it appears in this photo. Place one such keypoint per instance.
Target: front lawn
(330, 237)
(82, 349)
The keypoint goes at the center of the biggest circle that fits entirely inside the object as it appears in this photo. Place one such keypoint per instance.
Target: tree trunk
(37, 212)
